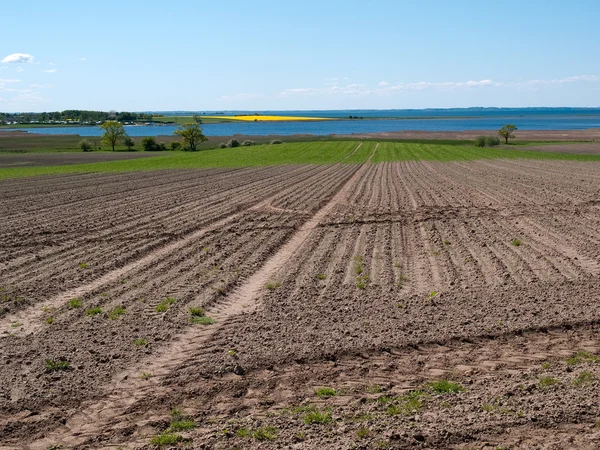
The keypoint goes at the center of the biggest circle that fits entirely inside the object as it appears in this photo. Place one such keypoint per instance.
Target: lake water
(397, 120)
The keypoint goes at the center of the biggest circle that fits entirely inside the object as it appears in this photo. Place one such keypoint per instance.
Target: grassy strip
(402, 151)
(321, 152)
(260, 155)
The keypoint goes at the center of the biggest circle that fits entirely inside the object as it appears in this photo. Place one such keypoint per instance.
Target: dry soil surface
(443, 305)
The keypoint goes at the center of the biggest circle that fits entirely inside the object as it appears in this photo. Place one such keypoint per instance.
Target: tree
(506, 132)
(85, 145)
(129, 143)
(150, 145)
(191, 134)
(114, 132)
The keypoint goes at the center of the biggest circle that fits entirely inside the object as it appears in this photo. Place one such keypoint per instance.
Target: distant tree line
(74, 115)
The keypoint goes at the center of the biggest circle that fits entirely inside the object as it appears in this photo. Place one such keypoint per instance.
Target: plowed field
(408, 304)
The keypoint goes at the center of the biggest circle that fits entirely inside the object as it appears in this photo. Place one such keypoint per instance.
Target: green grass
(164, 305)
(53, 365)
(404, 151)
(325, 392)
(259, 155)
(94, 311)
(581, 357)
(445, 387)
(166, 439)
(74, 303)
(204, 320)
(406, 404)
(313, 415)
(317, 151)
(116, 312)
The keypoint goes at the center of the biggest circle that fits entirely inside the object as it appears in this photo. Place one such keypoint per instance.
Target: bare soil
(59, 159)
(374, 280)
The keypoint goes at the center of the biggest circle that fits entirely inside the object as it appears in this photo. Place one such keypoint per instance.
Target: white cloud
(383, 83)
(51, 70)
(41, 86)
(6, 81)
(20, 69)
(18, 58)
(82, 59)
(557, 81)
(242, 96)
(51, 63)
(301, 91)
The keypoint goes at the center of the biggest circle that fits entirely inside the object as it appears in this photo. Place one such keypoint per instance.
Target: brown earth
(374, 280)
(57, 159)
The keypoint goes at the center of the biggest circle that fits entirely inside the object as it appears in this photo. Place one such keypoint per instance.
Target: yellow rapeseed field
(265, 118)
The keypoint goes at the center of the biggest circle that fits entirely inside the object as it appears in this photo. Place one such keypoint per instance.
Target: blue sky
(257, 55)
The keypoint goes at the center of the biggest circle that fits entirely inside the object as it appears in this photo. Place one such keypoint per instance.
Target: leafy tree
(175, 146)
(85, 145)
(114, 132)
(506, 132)
(150, 144)
(232, 143)
(129, 143)
(191, 134)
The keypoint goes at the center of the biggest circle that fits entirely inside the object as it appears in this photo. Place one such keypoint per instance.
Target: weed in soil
(74, 303)
(581, 357)
(325, 392)
(116, 312)
(445, 387)
(57, 365)
(94, 311)
(163, 306)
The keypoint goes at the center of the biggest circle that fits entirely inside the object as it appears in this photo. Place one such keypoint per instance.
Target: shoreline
(588, 134)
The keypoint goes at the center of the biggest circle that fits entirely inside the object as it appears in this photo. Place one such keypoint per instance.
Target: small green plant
(447, 242)
(358, 265)
(584, 377)
(321, 276)
(163, 306)
(202, 320)
(406, 404)
(94, 311)
(197, 311)
(49, 320)
(232, 353)
(74, 303)
(83, 266)
(325, 392)
(515, 242)
(362, 281)
(374, 389)
(363, 433)
(57, 365)
(264, 433)
(181, 424)
(431, 295)
(445, 387)
(581, 357)
(16, 324)
(116, 312)
(166, 439)
(546, 365)
(146, 376)
(140, 342)
(272, 286)
(547, 382)
(314, 415)
(242, 432)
